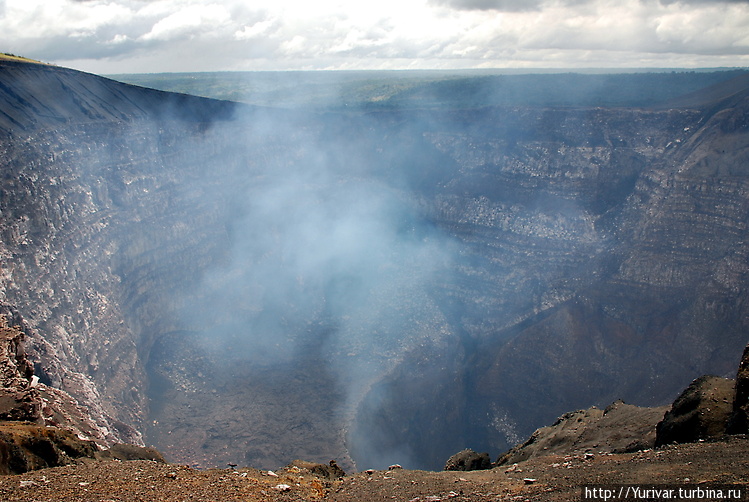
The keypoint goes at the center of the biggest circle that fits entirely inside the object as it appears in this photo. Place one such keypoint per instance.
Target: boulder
(19, 397)
(331, 471)
(27, 446)
(702, 411)
(468, 460)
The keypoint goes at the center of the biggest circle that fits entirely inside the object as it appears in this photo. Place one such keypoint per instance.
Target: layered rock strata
(586, 255)
(19, 393)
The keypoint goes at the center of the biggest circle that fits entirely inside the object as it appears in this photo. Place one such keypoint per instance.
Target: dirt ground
(551, 478)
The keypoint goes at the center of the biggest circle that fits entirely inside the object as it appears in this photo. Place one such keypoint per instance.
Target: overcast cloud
(117, 36)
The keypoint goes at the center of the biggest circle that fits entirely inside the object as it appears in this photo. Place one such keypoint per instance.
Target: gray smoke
(326, 261)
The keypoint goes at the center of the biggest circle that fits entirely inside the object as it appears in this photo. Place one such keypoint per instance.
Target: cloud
(535, 5)
(39, 19)
(255, 30)
(503, 5)
(119, 36)
(190, 20)
(690, 2)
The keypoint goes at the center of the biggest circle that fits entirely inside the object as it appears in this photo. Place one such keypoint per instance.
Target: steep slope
(80, 161)
(267, 285)
(619, 428)
(623, 233)
(37, 96)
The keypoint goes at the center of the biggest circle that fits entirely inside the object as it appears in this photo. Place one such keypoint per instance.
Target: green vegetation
(7, 56)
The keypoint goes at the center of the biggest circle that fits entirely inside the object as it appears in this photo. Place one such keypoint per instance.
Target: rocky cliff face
(79, 175)
(19, 396)
(266, 285)
(601, 270)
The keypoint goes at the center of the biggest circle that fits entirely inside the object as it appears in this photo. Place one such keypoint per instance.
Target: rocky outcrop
(468, 460)
(705, 410)
(330, 471)
(19, 395)
(27, 447)
(739, 421)
(619, 428)
(702, 411)
(25, 398)
(41, 426)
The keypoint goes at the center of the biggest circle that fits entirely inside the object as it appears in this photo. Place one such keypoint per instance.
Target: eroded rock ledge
(41, 426)
(709, 408)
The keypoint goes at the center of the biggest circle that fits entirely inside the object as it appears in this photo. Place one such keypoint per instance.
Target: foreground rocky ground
(593, 446)
(549, 478)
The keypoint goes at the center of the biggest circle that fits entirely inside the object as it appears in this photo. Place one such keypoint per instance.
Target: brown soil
(555, 478)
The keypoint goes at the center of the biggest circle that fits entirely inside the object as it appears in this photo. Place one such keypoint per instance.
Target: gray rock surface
(26, 447)
(330, 471)
(19, 395)
(739, 421)
(591, 253)
(702, 411)
(619, 428)
(468, 460)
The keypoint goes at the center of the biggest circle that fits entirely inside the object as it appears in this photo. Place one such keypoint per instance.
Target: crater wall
(267, 285)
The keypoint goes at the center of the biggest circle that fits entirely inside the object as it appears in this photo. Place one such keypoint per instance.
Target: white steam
(325, 261)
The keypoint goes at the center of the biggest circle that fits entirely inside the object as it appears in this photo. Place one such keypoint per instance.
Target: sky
(145, 36)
